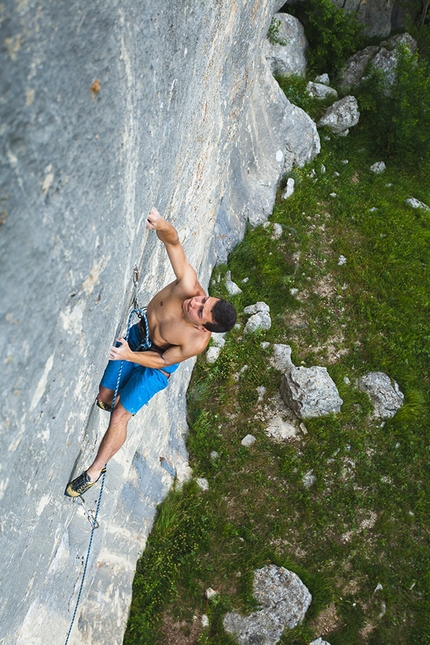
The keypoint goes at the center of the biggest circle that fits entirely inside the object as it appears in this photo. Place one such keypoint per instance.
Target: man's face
(198, 310)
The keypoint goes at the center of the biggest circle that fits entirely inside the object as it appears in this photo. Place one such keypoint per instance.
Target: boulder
(415, 203)
(260, 320)
(257, 308)
(341, 116)
(202, 483)
(281, 359)
(383, 392)
(231, 286)
(310, 392)
(382, 57)
(378, 168)
(320, 90)
(248, 440)
(289, 188)
(322, 78)
(284, 600)
(277, 231)
(212, 354)
(285, 47)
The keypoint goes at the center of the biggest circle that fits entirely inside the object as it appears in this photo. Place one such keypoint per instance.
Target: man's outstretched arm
(175, 354)
(168, 234)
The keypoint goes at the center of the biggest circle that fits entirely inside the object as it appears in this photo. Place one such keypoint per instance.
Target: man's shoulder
(189, 286)
(196, 342)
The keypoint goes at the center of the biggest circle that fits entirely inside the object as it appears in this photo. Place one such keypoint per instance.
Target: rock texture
(375, 15)
(379, 17)
(320, 90)
(284, 600)
(260, 318)
(384, 394)
(382, 57)
(341, 116)
(310, 392)
(107, 109)
(252, 180)
(287, 56)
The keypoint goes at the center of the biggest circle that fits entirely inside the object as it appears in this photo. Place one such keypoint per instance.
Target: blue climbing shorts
(137, 384)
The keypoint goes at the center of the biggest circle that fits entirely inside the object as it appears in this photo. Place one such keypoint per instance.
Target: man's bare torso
(166, 320)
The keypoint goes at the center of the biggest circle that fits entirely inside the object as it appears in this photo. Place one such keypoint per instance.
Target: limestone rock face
(375, 15)
(284, 600)
(251, 182)
(108, 109)
(310, 392)
(379, 17)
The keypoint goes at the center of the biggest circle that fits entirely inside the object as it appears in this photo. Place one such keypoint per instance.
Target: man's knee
(121, 414)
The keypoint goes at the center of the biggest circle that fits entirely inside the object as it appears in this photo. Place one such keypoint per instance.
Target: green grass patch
(364, 523)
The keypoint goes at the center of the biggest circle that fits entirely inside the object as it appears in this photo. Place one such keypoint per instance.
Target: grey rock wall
(374, 14)
(184, 116)
(379, 17)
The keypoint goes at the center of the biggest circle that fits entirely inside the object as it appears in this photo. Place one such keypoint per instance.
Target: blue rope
(140, 313)
(87, 558)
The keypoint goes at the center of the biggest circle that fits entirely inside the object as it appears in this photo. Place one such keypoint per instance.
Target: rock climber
(176, 325)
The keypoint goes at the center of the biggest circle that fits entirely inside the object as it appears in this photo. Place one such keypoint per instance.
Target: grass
(366, 520)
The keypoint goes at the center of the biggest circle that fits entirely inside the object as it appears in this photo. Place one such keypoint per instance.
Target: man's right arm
(167, 233)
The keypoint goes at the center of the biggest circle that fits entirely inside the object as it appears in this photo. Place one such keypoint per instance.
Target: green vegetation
(398, 118)
(418, 23)
(273, 32)
(359, 537)
(335, 34)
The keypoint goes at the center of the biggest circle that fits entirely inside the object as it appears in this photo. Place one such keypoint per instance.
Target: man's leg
(112, 441)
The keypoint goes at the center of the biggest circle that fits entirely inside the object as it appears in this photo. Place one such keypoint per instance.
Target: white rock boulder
(281, 359)
(284, 600)
(383, 392)
(310, 392)
(320, 90)
(286, 45)
(341, 116)
(260, 318)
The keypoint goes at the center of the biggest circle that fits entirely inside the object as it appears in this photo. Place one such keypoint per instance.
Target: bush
(398, 118)
(333, 35)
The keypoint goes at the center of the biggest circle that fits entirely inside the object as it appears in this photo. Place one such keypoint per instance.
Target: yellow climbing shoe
(81, 484)
(104, 406)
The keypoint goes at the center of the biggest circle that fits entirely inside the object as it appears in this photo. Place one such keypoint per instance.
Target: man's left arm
(175, 354)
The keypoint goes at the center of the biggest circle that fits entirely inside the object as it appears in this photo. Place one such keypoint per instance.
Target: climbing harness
(89, 514)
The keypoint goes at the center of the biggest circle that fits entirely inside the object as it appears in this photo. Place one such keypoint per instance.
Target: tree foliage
(398, 117)
(334, 35)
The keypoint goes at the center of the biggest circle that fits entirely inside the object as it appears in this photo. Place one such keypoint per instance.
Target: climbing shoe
(104, 406)
(81, 484)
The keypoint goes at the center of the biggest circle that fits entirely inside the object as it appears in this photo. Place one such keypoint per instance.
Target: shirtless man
(177, 325)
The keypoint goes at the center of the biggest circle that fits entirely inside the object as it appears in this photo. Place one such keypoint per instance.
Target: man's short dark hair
(223, 316)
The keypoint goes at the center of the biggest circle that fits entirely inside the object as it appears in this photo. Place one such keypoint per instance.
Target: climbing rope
(92, 518)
